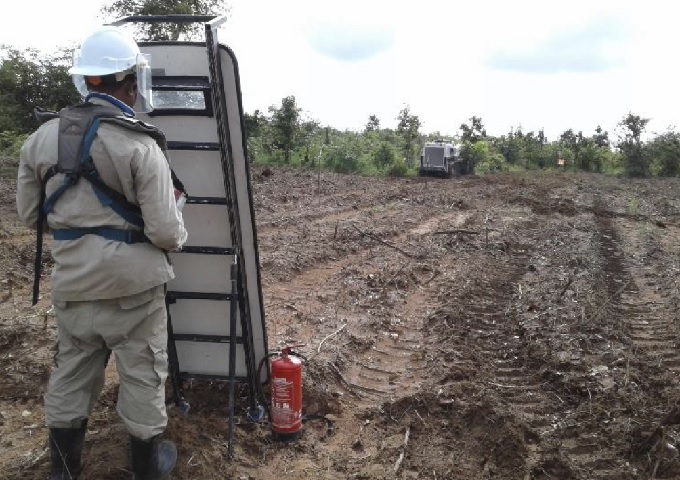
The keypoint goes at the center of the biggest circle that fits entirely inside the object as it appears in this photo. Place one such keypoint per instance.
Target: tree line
(285, 135)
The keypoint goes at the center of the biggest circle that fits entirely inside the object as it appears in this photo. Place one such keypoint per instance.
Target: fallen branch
(456, 231)
(396, 274)
(376, 369)
(329, 336)
(500, 385)
(397, 464)
(379, 240)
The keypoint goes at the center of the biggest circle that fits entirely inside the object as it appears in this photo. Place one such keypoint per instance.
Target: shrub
(384, 156)
(10, 147)
(487, 160)
(11, 142)
(663, 154)
(398, 168)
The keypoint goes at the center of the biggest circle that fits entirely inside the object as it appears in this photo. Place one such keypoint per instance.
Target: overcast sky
(534, 63)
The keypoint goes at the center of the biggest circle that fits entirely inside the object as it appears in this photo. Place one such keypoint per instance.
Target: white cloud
(345, 60)
(348, 42)
(594, 47)
(48, 25)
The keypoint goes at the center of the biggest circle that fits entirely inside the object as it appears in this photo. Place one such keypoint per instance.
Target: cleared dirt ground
(507, 327)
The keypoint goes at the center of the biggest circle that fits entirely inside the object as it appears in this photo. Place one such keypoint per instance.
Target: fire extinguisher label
(283, 415)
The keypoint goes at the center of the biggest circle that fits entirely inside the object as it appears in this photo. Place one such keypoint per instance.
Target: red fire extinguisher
(286, 392)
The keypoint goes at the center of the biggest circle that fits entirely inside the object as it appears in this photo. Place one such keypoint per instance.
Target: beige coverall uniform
(108, 295)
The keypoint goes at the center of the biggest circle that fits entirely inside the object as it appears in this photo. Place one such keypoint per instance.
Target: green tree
(536, 154)
(486, 159)
(285, 122)
(511, 146)
(29, 79)
(253, 123)
(631, 146)
(343, 155)
(470, 135)
(373, 124)
(576, 142)
(473, 132)
(663, 154)
(165, 31)
(592, 156)
(408, 128)
(587, 153)
(601, 137)
(384, 156)
(309, 129)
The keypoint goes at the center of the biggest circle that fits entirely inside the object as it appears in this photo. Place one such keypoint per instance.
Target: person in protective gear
(109, 275)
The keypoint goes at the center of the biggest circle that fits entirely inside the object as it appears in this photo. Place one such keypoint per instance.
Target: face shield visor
(81, 86)
(141, 67)
(144, 103)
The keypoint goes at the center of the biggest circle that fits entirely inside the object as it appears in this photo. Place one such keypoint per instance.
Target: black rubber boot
(152, 459)
(66, 448)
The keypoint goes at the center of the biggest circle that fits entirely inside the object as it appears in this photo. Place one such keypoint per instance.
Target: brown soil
(507, 327)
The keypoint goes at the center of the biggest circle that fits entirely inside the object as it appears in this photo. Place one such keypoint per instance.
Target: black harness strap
(75, 161)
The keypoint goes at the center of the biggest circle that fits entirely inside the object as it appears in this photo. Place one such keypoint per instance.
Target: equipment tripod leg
(173, 364)
(232, 353)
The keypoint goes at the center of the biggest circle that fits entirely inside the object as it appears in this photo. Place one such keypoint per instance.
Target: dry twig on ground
(397, 464)
(379, 240)
(329, 336)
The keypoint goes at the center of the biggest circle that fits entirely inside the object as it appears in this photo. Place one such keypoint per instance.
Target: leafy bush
(613, 164)
(398, 168)
(486, 159)
(663, 154)
(10, 144)
(384, 156)
(341, 159)
(29, 79)
(494, 163)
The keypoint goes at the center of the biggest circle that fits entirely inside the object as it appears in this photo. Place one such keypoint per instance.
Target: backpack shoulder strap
(152, 131)
(141, 127)
(42, 115)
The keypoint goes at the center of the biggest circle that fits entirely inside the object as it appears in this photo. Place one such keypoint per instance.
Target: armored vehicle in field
(440, 158)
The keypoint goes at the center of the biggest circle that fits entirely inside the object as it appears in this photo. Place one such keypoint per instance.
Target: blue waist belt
(115, 234)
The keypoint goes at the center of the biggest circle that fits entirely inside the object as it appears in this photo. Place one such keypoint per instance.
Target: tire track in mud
(639, 310)
(648, 321)
(522, 389)
(491, 312)
(494, 316)
(270, 227)
(391, 365)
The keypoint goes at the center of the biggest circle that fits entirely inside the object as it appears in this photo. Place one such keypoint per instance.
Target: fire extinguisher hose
(260, 390)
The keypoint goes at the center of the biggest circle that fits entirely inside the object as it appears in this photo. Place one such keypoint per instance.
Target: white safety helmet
(111, 51)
